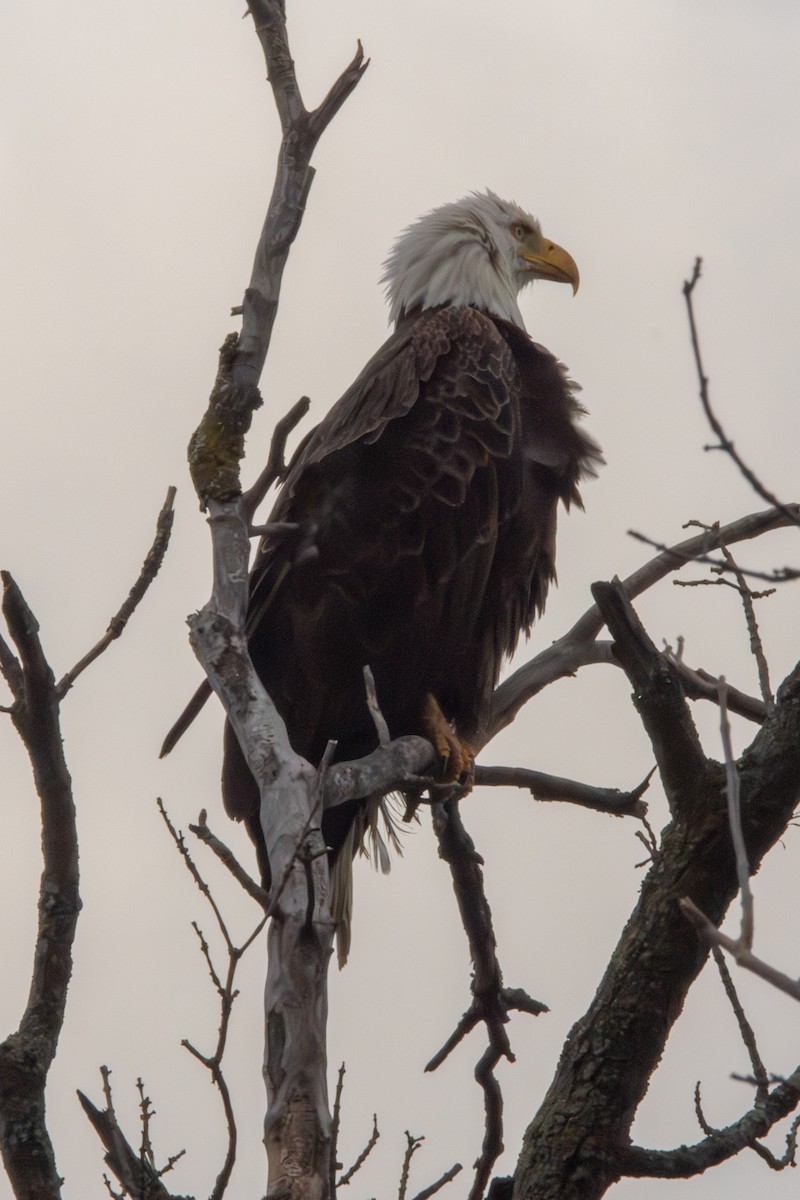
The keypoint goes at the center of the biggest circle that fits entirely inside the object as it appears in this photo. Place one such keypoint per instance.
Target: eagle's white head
(480, 251)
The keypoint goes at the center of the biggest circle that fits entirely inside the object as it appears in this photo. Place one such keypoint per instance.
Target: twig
(136, 1171)
(743, 957)
(150, 568)
(721, 1144)
(336, 1119)
(427, 1192)
(363, 1156)
(489, 998)
(227, 994)
(226, 856)
(778, 575)
(735, 820)
(756, 645)
(183, 850)
(412, 1145)
(745, 1028)
(724, 441)
(701, 685)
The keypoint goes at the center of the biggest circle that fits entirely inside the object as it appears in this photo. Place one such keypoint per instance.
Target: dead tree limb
(27, 1054)
(297, 1130)
(578, 1143)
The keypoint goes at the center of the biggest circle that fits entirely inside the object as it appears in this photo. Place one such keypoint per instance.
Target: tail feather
(185, 719)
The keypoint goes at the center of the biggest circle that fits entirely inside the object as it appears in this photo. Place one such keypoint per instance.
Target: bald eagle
(421, 510)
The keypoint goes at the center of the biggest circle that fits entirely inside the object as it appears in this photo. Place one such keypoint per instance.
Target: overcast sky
(138, 148)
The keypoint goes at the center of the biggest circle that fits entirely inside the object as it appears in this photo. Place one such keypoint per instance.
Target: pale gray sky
(138, 147)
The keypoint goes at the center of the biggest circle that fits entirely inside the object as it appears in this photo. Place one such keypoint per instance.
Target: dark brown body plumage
(425, 505)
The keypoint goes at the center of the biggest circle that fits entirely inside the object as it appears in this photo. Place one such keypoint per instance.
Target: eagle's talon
(458, 757)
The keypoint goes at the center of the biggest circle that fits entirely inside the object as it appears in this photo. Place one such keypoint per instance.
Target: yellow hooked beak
(550, 261)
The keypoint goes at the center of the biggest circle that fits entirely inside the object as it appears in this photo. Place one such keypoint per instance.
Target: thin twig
(150, 568)
(778, 575)
(364, 1155)
(336, 1119)
(412, 1145)
(724, 441)
(745, 1028)
(226, 856)
(756, 645)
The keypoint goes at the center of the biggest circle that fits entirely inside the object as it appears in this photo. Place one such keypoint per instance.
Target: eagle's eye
(519, 232)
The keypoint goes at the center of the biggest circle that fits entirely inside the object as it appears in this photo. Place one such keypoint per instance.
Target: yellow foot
(458, 756)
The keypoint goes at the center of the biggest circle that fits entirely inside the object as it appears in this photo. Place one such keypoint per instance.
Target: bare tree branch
(745, 1028)
(226, 856)
(686, 1161)
(150, 569)
(743, 957)
(427, 1192)
(578, 646)
(577, 1144)
(724, 441)
(552, 787)
(135, 1170)
(777, 575)
(490, 1000)
(700, 685)
(658, 696)
(27, 1054)
(363, 1156)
